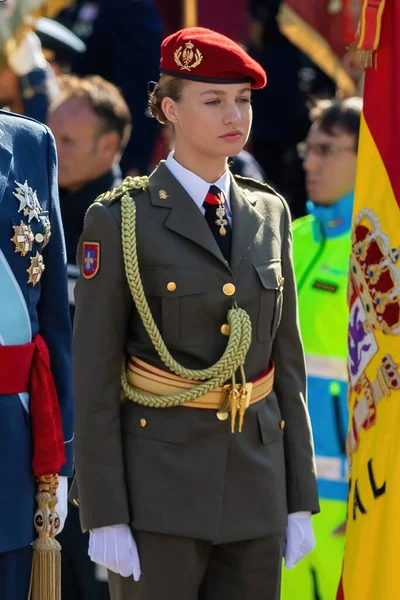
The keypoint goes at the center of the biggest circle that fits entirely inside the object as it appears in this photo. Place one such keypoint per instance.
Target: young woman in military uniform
(202, 478)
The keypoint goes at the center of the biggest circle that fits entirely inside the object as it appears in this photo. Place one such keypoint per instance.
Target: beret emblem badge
(188, 58)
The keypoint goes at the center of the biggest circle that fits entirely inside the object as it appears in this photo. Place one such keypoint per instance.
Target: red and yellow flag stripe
(370, 24)
(370, 570)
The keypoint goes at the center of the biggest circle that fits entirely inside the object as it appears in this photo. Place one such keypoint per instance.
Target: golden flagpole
(189, 10)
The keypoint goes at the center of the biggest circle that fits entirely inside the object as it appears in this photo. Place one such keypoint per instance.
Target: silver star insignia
(28, 201)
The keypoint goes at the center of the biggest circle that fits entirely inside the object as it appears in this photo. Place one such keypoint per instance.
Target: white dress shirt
(196, 187)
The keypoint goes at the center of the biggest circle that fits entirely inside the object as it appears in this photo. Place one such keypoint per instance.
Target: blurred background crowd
(305, 47)
(85, 69)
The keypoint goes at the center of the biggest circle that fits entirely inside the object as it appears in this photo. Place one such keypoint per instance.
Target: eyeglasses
(321, 150)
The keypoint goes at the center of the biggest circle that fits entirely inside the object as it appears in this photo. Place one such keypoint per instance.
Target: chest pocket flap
(270, 274)
(270, 308)
(169, 282)
(177, 296)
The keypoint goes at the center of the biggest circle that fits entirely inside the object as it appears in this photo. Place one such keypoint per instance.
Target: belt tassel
(238, 401)
(46, 564)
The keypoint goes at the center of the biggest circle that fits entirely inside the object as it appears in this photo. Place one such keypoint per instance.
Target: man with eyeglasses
(321, 248)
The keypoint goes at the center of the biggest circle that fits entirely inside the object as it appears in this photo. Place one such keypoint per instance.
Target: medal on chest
(28, 201)
(23, 238)
(36, 269)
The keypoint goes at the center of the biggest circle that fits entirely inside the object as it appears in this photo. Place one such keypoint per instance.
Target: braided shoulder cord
(223, 370)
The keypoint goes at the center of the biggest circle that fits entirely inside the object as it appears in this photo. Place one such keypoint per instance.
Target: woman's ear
(169, 108)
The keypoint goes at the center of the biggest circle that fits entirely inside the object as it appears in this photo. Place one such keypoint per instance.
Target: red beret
(201, 54)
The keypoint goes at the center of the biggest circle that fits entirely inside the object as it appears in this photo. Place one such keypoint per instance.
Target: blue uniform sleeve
(53, 308)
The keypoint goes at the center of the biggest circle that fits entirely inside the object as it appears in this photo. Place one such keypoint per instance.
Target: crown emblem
(389, 375)
(188, 58)
(376, 274)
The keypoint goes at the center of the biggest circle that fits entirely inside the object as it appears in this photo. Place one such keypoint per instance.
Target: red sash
(26, 368)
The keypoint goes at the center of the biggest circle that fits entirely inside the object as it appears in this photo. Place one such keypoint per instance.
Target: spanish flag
(371, 566)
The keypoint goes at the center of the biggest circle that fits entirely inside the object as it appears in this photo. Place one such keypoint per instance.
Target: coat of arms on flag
(374, 293)
(370, 569)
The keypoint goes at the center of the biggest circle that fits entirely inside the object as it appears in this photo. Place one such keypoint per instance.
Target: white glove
(27, 55)
(299, 538)
(114, 547)
(62, 504)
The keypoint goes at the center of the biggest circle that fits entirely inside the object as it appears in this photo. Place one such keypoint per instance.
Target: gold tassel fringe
(46, 570)
(364, 58)
(46, 565)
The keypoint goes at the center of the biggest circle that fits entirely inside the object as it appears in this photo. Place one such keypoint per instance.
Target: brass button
(282, 424)
(222, 416)
(75, 502)
(225, 329)
(171, 286)
(143, 422)
(229, 289)
(281, 282)
(39, 237)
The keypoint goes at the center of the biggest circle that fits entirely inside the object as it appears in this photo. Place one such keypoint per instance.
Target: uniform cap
(58, 42)
(201, 54)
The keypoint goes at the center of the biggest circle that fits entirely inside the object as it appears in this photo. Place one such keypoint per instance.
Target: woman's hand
(114, 547)
(299, 538)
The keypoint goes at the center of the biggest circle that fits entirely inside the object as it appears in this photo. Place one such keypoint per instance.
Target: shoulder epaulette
(20, 120)
(128, 185)
(14, 116)
(265, 187)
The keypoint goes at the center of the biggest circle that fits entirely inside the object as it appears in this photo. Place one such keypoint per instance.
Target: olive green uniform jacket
(185, 473)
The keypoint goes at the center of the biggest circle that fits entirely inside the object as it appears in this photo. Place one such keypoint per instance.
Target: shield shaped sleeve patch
(90, 259)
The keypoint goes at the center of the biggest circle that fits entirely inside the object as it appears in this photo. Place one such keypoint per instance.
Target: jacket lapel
(5, 164)
(246, 221)
(184, 218)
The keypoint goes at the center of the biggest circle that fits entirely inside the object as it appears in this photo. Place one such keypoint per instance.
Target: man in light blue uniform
(33, 301)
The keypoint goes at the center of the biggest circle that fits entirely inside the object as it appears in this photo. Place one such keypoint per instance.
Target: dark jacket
(74, 206)
(185, 473)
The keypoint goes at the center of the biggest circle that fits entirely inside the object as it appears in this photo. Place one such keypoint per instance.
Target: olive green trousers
(176, 568)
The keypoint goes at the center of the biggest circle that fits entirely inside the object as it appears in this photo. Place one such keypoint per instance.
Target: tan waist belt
(150, 379)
